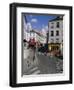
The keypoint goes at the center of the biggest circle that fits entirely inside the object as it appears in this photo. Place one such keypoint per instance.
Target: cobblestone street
(41, 64)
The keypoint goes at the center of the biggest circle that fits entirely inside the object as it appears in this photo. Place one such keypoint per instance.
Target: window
(52, 40)
(52, 25)
(57, 40)
(57, 33)
(52, 33)
(58, 25)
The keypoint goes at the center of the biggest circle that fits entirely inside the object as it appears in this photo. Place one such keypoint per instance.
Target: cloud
(34, 20)
(29, 26)
(44, 29)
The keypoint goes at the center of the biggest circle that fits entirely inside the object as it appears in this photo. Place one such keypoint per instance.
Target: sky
(37, 21)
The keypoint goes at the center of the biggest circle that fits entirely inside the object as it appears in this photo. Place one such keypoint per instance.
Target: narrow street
(46, 64)
(43, 44)
(41, 64)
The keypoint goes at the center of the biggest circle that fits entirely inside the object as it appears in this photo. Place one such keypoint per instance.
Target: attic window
(58, 25)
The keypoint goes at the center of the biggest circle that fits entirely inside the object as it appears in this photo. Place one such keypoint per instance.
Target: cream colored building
(56, 33)
(56, 30)
(41, 39)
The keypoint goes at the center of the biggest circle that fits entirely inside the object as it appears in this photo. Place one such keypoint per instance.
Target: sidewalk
(28, 62)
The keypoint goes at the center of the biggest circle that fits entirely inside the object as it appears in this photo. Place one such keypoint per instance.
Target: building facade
(24, 27)
(27, 30)
(55, 33)
(41, 39)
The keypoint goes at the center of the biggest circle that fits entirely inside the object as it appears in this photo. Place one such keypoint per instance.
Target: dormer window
(52, 25)
(58, 25)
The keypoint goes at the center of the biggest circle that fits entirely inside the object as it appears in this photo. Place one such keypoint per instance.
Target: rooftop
(57, 18)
